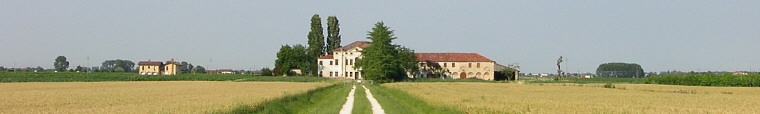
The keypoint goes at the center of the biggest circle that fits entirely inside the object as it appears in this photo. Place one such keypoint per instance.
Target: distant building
(158, 68)
(171, 68)
(340, 64)
(226, 71)
(149, 67)
(212, 71)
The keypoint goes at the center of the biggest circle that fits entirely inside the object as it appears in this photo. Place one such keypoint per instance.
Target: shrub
(609, 85)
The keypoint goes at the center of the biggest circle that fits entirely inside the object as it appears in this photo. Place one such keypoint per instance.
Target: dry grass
(140, 97)
(585, 98)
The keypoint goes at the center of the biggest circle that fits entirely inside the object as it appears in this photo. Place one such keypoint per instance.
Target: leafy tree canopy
(625, 70)
(61, 64)
(383, 61)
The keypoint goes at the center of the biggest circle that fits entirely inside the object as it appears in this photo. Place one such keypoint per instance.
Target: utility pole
(559, 68)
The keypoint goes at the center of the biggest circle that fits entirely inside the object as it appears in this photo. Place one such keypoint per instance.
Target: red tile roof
(326, 56)
(150, 63)
(361, 44)
(452, 57)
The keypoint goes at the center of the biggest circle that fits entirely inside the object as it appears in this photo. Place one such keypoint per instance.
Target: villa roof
(451, 57)
(159, 63)
(326, 56)
(360, 44)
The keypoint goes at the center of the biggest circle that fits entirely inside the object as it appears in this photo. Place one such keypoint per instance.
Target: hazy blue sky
(701, 35)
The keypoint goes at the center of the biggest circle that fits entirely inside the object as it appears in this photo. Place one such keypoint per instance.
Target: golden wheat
(585, 98)
(140, 97)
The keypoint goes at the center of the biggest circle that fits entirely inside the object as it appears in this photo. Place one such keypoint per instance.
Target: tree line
(622, 70)
(305, 57)
(61, 64)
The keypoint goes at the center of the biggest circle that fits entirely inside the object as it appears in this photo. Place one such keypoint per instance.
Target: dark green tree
(289, 58)
(333, 34)
(119, 69)
(266, 72)
(383, 61)
(316, 44)
(284, 61)
(509, 72)
(622, 70)
(198, 69)
(78, 68)
(111, 65)
(61, 64)
(185, 67)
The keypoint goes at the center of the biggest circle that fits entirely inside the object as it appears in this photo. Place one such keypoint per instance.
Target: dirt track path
(376, 108)
(349, 106)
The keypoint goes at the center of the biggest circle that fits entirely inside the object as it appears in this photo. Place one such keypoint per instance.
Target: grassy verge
(105, 76)
(395, 101)
(361, 103)
(325, 100)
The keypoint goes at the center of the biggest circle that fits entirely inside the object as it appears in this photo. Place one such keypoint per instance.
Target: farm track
(376, 108)
(349, 105)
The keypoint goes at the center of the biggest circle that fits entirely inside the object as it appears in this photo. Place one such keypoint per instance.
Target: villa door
(462, 75)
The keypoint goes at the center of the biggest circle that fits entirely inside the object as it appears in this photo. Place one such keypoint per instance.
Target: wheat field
(585, 98)
(140, 97)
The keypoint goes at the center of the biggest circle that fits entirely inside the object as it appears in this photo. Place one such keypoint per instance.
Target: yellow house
(455, 65)
(170, 68)
(149, 67)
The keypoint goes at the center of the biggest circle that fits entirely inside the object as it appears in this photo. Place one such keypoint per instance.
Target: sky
(660, 35)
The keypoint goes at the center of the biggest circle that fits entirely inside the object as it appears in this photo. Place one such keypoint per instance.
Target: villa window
(331, 62)
(453, 64)
(331, 74)
(336, 61)
(444, 64)
(469, 65)
(478, 65)
(320, 62)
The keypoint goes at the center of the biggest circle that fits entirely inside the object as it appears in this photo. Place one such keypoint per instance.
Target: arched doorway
(462, 75)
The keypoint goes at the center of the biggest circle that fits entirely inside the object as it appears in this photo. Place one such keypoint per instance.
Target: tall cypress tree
(333, 34)
(316, 44)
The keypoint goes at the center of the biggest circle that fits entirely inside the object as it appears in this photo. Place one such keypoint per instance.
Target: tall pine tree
(333, 34)
(383, 61)
(316, 44)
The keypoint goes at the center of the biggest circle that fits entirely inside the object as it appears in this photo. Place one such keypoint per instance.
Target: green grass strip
(324, 100)
(361, 103)
(395, 101)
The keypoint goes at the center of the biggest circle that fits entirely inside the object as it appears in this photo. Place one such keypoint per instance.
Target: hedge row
(706, 80)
